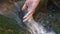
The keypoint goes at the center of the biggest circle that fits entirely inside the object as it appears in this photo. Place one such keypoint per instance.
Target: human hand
(31, 5)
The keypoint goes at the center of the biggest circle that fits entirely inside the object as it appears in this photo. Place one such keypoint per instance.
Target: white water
(36, 28)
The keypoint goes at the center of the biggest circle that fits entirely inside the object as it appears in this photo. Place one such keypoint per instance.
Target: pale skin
(31, 5)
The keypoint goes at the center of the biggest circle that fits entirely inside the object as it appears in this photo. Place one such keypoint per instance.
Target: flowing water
(38, 28)
(32, 26)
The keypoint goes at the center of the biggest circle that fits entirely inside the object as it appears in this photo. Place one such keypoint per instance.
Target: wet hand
(31, 5)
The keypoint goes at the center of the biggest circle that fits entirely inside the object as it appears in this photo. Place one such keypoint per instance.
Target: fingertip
(24, 20)
(24, 7)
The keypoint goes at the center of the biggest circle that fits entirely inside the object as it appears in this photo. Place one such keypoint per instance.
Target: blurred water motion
(10, 11)
(9, 16)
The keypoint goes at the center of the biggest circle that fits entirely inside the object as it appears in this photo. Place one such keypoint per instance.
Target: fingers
(31, 8)
(26, 17)
(24, 7)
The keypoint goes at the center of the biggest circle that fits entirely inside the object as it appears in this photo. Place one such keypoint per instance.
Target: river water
(39, 27)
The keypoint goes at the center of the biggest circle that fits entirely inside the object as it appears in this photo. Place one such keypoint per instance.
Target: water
(13, 11)
(36, 28)
(32, 26)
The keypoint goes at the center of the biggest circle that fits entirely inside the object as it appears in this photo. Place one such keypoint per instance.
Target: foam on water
(36, 28)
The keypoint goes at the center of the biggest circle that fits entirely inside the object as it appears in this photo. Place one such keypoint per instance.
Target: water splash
(36, 28)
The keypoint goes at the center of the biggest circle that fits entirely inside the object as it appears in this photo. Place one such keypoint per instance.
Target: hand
(31, 5)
